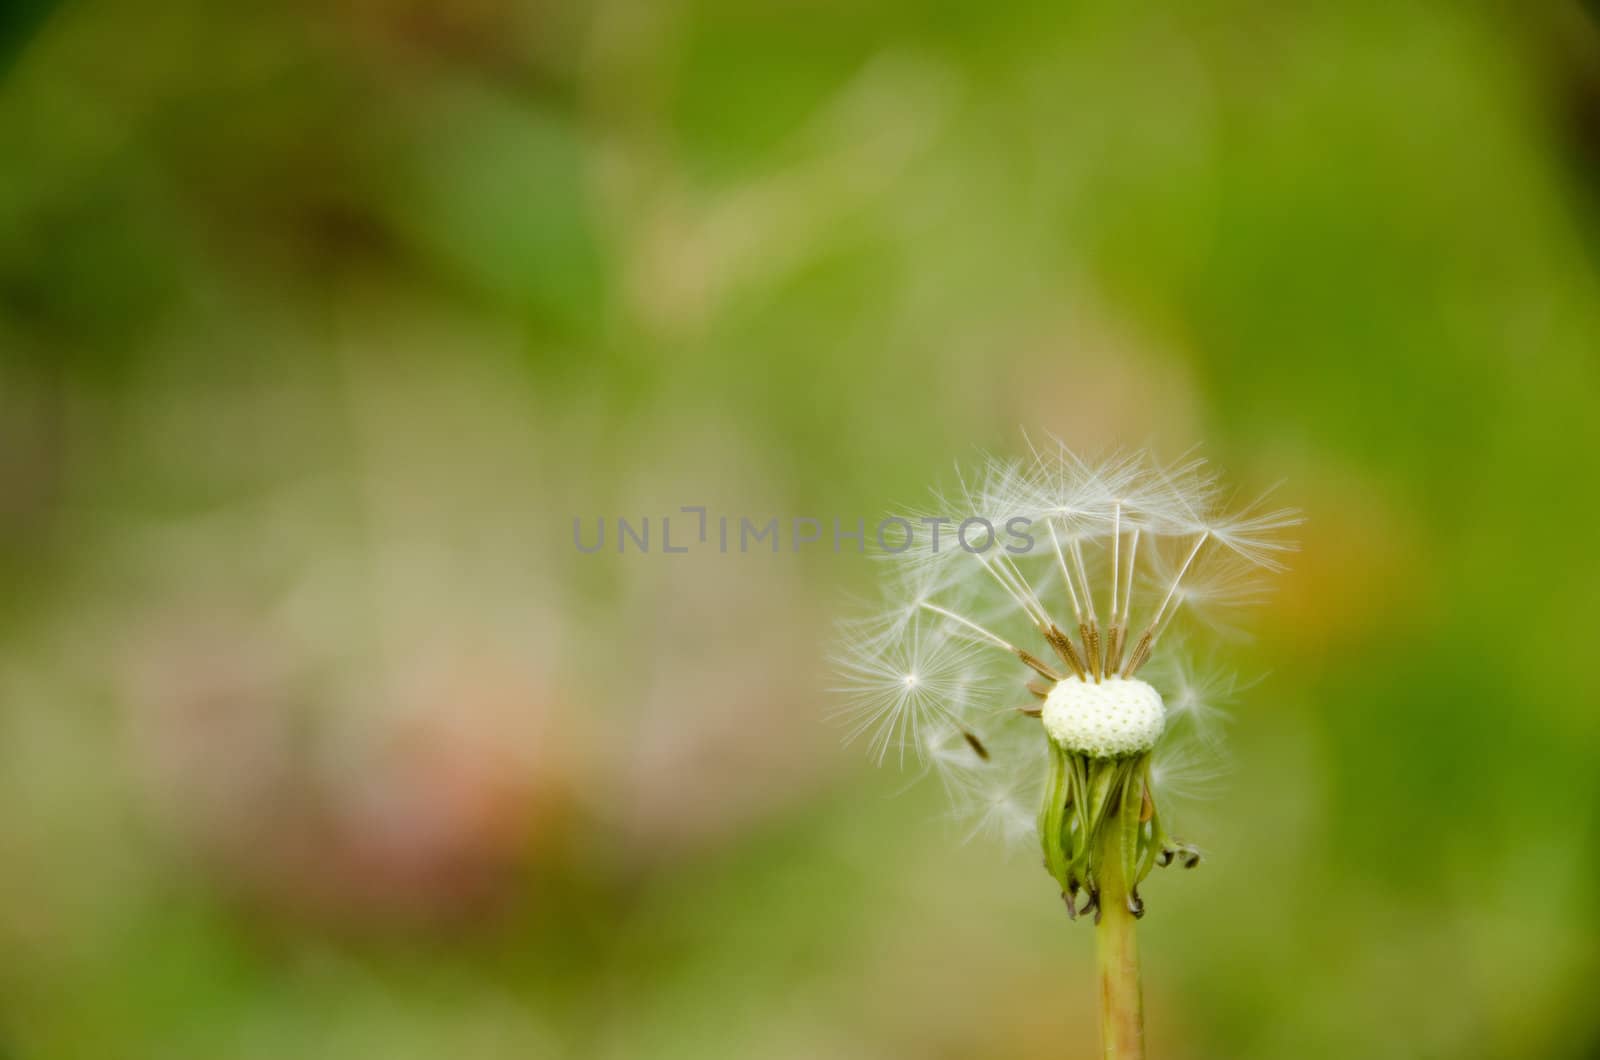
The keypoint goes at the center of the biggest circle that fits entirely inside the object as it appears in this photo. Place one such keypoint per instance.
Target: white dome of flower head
(1117, 717)
(1084, 572)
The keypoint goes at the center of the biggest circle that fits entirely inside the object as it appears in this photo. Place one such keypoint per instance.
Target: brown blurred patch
(418, 806)
(1098, 382)
(1362, 566)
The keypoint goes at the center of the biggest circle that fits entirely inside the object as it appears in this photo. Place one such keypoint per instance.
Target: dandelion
(1028, 655)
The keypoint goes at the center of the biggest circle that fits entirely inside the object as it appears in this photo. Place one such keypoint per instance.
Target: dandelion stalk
(1121, 1005)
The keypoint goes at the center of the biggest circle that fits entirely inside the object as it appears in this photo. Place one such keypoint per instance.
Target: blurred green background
(320, 323)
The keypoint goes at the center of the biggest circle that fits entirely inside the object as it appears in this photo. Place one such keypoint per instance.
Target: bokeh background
(319, 324)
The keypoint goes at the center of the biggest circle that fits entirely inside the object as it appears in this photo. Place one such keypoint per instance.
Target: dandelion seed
(997, 810)
(898, 677)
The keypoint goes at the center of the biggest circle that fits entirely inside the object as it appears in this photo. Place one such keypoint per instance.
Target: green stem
(1121, 1007)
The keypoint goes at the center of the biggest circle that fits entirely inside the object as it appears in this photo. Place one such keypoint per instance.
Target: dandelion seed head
(1059, 620)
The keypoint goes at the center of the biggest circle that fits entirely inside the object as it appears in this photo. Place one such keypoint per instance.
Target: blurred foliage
(319, 324)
